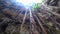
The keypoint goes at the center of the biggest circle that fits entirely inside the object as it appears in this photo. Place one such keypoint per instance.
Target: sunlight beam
(23, 21)
(32, 23)
(44, 31)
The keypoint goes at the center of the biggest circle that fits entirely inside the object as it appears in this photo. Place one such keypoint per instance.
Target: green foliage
(37, 5)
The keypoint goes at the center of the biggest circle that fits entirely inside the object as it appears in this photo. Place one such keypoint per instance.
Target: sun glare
(28, 2)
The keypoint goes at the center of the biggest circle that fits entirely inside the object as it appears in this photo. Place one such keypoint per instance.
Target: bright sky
(29, 2)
